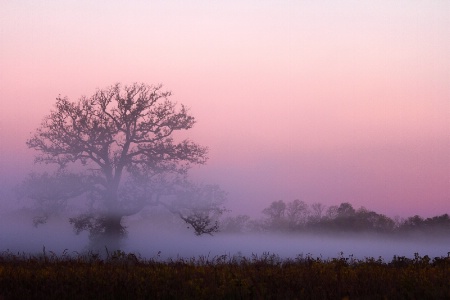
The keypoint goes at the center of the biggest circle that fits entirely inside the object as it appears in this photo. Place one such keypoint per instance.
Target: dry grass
(127, 276)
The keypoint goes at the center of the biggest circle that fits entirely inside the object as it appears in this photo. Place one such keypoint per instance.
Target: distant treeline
(298, 216)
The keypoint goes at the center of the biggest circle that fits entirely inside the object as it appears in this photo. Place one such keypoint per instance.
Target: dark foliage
(297, 216)
(126, 276)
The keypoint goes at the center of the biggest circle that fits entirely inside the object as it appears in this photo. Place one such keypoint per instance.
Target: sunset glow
(323, 101)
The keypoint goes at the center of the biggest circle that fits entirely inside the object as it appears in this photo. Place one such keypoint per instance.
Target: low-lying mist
(18, 235)
(116, 164)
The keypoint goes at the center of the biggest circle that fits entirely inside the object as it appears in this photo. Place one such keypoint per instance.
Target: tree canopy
(118, 149)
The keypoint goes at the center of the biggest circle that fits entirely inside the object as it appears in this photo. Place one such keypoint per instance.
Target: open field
(126, 276)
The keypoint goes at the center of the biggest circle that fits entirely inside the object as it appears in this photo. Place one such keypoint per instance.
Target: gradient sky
(323, 101)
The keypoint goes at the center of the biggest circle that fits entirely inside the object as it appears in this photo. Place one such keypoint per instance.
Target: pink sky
(324, 101)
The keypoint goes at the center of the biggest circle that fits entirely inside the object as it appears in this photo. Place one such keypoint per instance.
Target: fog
(17, 235)
(283, 245)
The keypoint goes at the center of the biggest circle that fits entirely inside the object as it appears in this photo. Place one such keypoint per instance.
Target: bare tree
(297, 214)
(275, 214)
(345, 210)
(331, 212)
(120, 146)
(317, 212)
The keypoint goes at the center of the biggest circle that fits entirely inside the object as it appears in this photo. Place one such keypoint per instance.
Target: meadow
(123, 275)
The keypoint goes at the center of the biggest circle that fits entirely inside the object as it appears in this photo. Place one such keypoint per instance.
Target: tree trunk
(113, 231)
(110, 239)
(113, 226)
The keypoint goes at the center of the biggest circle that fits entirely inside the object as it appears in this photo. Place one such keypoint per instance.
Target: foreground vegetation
(126, 276)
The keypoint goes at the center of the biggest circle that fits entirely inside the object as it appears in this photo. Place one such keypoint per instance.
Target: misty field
(126, 276)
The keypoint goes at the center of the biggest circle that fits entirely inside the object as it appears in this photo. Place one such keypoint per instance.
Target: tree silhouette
(275, 214)
(120, 146)
(297, 214)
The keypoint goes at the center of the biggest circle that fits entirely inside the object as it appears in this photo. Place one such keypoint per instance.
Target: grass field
(127, 276)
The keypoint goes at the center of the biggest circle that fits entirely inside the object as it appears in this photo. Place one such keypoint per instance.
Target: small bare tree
(120, 142)
(297, 214)
(317, 212)
(276, 215)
